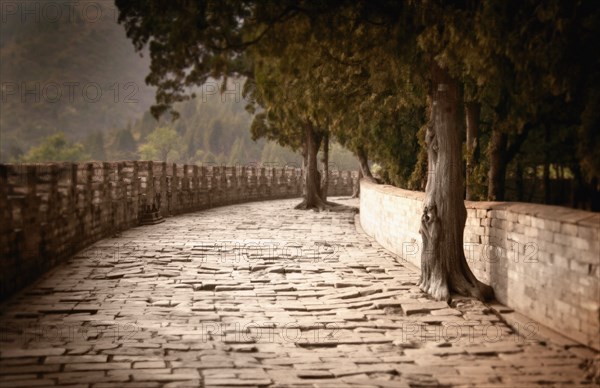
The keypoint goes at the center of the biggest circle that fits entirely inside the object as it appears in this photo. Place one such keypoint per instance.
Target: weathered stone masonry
(542, 261)
(48, 212)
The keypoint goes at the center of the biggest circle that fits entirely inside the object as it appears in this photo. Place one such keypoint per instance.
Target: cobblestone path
(263, 295)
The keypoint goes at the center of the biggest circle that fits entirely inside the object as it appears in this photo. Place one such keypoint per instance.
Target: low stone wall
(542, 261)
(48, 212)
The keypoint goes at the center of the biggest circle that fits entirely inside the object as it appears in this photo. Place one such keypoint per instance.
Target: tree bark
(325, 162)
(472, 110)
(363, 159)
(547, 194)
(356, 193)
(304, 166)
(312, 198)
(444, 269)
(520, 183)
(497, 173)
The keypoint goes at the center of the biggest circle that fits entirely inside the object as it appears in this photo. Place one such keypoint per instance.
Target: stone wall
(48, 212)
(542, 261)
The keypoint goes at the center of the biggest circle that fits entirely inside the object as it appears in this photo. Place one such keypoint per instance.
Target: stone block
(568, 229)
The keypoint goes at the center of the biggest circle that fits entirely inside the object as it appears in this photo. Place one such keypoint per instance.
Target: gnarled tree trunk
(444, 269)
(363, 159)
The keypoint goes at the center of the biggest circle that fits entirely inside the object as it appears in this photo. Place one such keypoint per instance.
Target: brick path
(208, 298)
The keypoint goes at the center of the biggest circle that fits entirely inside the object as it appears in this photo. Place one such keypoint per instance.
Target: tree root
(440, 289)
(476, 289)
(371, 179)
(465, 283)
(437, 288)
(321, 205)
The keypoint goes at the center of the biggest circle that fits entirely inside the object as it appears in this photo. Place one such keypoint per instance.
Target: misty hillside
(73, 89)
(71, 75)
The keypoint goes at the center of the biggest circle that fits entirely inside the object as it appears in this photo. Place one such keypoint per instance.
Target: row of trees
(188, 141)
(408, 84)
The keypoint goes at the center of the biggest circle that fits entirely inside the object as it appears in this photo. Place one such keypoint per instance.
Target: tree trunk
(497, 173)
(501, 154)
(472, 118)
(444, 268)
(318, 139)
(363, 159)
(356, 193)
(534, 184)
(546, 179)
(520, 183)
(547, 194)
(312, 198)
(304, 167)
(325, 162)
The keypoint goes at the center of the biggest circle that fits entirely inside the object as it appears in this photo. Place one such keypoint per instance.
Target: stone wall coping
(547, 212)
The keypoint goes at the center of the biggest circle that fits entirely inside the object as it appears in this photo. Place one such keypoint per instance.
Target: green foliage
(533, 68)
(418, 177)
(56, 148)
(359, 71)
(162, 144)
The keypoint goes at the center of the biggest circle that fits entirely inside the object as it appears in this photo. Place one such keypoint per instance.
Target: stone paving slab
(260, 295)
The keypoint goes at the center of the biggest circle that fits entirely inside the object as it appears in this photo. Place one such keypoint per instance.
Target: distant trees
(123, 145)
(212, 131)
(56, 148)
(162, 144)
(94, 144)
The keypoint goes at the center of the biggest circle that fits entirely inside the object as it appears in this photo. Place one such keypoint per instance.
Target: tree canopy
(360, 72)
